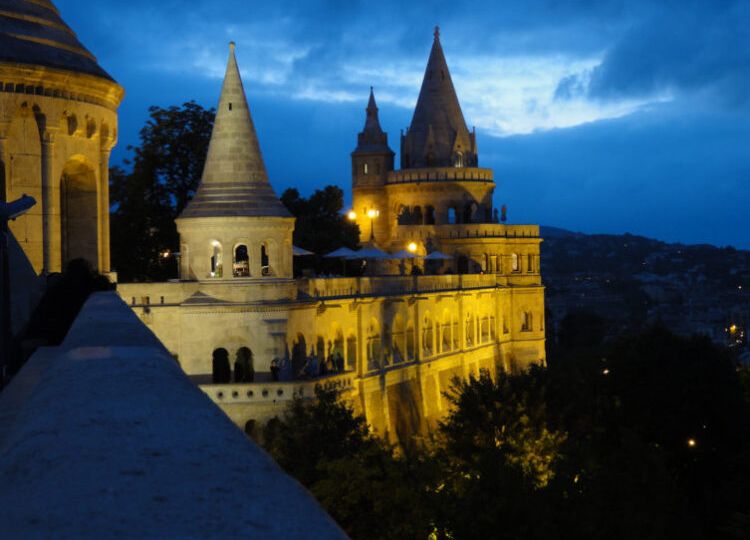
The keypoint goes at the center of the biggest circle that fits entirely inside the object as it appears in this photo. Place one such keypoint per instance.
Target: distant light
(605, 371)
(692, 442)
(165, 254)
(372, 213)
(352, 215)
(733, 329)
(412, 247)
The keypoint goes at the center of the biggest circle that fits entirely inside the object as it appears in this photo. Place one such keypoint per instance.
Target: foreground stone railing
(105, 437)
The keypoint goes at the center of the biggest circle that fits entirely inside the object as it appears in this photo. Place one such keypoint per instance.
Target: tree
(165, 172)
(321, 227)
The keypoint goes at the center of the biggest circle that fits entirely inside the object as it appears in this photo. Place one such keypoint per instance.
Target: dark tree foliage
(321, 227)
(369, 491)
(164, 173)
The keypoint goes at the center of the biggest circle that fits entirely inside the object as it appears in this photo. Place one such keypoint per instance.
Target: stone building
(393, 341)
(58, 124)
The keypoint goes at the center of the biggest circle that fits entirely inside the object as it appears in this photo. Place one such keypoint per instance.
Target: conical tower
(438, 136)
(235, 226)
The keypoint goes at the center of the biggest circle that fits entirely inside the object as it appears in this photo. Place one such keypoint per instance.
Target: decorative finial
(232, 45)
(437, 32)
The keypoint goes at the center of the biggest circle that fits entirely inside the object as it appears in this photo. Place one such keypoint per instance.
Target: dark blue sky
(596, 115)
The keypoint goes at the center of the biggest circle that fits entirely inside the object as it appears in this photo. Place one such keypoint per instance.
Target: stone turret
(438, 136)
(372, 160)
(235, 226)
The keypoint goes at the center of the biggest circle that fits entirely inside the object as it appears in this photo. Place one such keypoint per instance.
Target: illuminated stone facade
(394, 341)
(58, 124)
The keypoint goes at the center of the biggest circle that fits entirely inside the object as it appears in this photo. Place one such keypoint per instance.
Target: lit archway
(79, 213)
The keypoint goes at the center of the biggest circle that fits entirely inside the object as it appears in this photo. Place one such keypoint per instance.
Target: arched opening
(451, 216)
(429, 217)
(244, 370)
(458, 159)
(374, 347)
(398, 339)
(351, 352)
(514, 263)
(446, 341)
(470, 330)
(221, 373)
(299, 354)
(467, 213)
(216, 256)
(428, 340)
(417, 216)
(528, 322)
(485, 329)
(265, 260)
(404, 216)
(78, 213)
(241, 264)
(337, 349)
(410, 342)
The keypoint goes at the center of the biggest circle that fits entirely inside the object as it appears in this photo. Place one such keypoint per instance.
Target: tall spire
(438, 132)
(372, 138)
(234, 182)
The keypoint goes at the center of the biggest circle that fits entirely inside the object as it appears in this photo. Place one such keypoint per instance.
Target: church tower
(372, 160)
(235, 226)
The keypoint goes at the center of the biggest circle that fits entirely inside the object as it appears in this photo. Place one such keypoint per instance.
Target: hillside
(631, 281)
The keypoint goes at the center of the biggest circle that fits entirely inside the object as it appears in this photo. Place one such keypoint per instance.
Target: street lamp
(372, 214)
(352, 215)
(8, 211)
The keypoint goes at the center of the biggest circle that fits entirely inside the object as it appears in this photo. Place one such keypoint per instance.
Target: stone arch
(429, 215)
(351, 351)
(79, 214)
(416, 215)
(220, 371)
(244, 368)
(240, 261)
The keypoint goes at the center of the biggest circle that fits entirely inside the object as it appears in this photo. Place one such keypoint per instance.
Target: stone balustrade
(441, 174)
(394, 285)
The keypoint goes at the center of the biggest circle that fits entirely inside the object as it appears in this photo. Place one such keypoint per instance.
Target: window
(365, 169)
(429, 218)
(530, 263)
(241, 265)
(230, 106)
(265, 266)
(216, 266)
(514, 264)
(451, 216)
(528, 322)
(458, 160)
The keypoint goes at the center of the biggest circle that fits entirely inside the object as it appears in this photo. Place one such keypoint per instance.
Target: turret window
(216, 265)
(241, 265)
(265, 262)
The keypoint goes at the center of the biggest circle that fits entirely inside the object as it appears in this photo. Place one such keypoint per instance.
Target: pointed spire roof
(438, 128)
(234, 182)
(372, 138)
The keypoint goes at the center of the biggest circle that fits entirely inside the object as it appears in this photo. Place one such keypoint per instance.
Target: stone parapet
(441, 174)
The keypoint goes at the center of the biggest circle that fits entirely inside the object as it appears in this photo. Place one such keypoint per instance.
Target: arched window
(241, 266)
(410, 345)
(404, 216)
(514, 263)
(398, 337)
(244, 370)
(374, 349)
(265, 261)
(458, 160)
(428, 339)
(351, 352)
(221, 373)
(416, 215)
(365, 169)
(470, 330)
(216, 266)
(451, 216)
(528, 322)
(429, 218)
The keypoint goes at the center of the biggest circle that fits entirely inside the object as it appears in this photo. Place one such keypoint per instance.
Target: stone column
(103, 204)
(52, 243)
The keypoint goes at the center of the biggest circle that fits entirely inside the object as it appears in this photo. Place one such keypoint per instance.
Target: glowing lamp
(372, 213)
(412, 247)
(352, 215)
(692, 442)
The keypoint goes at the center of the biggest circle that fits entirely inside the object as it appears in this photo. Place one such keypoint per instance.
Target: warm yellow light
(692, 442)
(412, 247)
(372, 213)
(352, 215)
(605, 371)
(165, 254)
(733, 329)
(215, 243)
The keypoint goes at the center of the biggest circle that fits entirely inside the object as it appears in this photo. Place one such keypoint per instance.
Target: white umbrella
(437, 256)
(340, 253)
(299, 252)
(369, 253)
